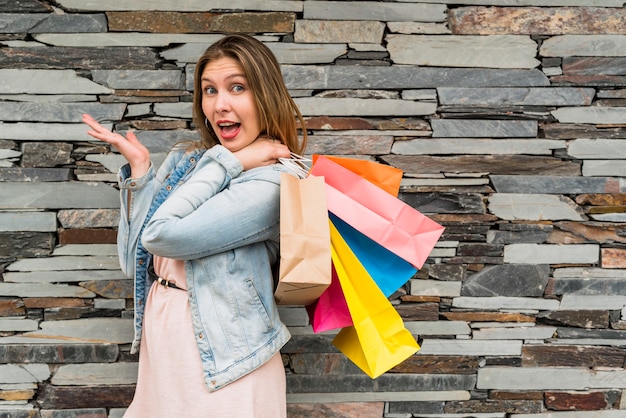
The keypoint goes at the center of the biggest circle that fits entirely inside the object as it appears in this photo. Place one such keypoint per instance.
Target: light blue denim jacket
(203, 208)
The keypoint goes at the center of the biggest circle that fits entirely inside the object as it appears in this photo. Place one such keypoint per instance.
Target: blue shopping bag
(388, 270)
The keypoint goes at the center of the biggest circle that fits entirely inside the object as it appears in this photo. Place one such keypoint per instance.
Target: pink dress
(170, 381)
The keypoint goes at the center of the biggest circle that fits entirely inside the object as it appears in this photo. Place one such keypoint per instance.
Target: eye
(238, 88)
(209, 90)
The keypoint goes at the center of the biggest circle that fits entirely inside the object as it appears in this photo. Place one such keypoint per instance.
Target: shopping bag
(305, 262)
(388, 270)
(378, 215)
(377, 340)
(330, 310)
(384, 176)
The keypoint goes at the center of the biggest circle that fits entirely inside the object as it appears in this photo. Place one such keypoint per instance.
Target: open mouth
(229, 130)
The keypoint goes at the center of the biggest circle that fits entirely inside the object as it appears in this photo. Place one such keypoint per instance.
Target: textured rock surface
(507, 117)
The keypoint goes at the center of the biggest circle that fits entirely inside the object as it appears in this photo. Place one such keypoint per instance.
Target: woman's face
(228, 104)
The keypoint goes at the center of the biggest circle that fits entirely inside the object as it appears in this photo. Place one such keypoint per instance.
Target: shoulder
(270, 173)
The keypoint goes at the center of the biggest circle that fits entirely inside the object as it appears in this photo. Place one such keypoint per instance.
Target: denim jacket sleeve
(136, 196)
(217, 209)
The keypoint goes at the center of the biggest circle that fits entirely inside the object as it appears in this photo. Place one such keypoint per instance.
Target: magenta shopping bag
(330, 310)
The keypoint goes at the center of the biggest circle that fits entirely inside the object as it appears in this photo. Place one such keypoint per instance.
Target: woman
(200, 238)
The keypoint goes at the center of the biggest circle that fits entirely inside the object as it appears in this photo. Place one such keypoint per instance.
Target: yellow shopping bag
(377, 340)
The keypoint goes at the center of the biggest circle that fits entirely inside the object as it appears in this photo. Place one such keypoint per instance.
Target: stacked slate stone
(507, 117)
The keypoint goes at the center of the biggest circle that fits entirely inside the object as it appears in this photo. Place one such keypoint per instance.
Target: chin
(231, 147)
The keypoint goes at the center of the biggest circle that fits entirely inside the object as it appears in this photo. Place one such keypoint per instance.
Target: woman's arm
(210, 213)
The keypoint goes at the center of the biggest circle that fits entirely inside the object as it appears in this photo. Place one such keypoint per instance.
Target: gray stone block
(491, 51)
(325, 31)
(476, 146)
(96, 262)
(18, 174)
(120, 39)
(27, 221)
(361, 10)
(602, 149)
(534, 207)
(533, 378)
(20, 22)
(69, 132)
(17, 324)
(527, 184)
(26, 244)
(490, 97)
(70, 195)
(65, 276)
(103, 330)
(311, 106)
(42, 290)
(505, 303)
(59, 353)
(459, 347)
(517, 332)
(588, 286)
(551, 254)
(187, 6)
(406, 77)
(385, 383)
(591, 114)
(24, 373)
(592, 302)
(514, 280)
(590, 45)
(17, 81)
(467, 128)
(90, 374)
(71, 23)
(604, 168)
(140, 79)
(59, 112)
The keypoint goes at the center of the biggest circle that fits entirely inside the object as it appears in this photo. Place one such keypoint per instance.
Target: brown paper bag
(305, 261)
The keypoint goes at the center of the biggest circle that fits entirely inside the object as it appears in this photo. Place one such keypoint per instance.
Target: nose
(222, 103)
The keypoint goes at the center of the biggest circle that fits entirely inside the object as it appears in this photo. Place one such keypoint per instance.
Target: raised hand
(134, 151)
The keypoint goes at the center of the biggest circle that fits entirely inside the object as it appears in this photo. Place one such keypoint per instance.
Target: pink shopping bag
(384, 176)
(378, 215)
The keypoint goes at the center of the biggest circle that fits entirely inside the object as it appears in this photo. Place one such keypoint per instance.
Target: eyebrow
(227, 77)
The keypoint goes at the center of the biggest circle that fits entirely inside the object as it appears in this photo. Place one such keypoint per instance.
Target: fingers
(130, 136)
(97, 131)
(282, 151)
(92, 123)
(103, 134)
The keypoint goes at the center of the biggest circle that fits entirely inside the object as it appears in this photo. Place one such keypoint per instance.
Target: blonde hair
(277, 110)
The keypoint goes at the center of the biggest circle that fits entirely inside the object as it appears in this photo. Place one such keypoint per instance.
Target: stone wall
(508, 118)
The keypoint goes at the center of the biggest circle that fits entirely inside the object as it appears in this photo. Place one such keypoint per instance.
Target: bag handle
(297, 164)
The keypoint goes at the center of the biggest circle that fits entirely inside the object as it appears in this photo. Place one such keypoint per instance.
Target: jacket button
(141, 262)
(168, 187)
(192, 159)
(201, 336)
(132, 184)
